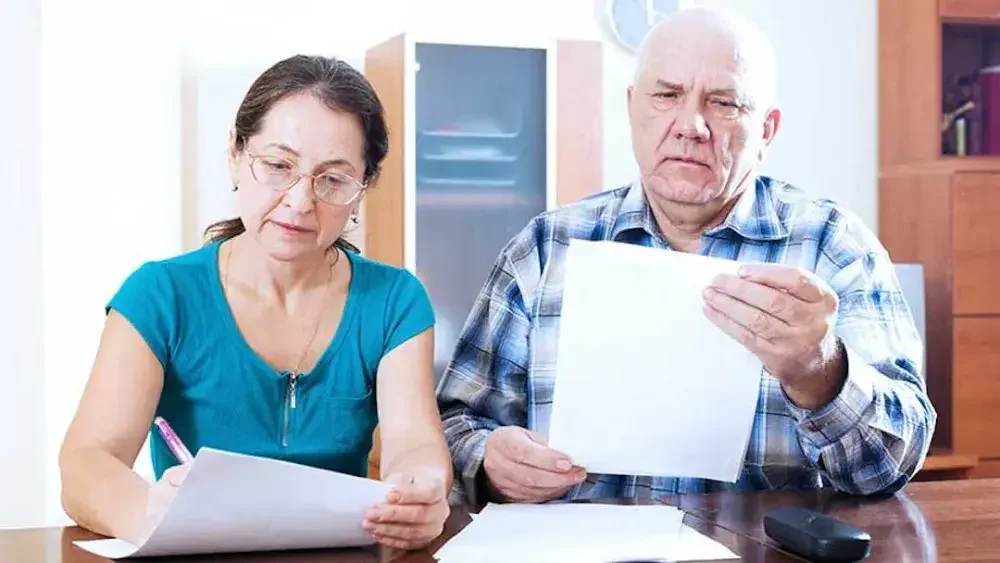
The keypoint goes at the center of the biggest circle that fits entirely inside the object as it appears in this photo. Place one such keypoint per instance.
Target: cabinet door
(976, 386)
(976, 227)
(914, 220)
(481, 168)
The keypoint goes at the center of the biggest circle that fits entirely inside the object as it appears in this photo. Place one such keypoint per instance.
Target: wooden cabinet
(947, 220)
(939, 205)
(976, 209)
(482, 138)
(976, 379)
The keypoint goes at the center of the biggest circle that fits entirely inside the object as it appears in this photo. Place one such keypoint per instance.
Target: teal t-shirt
(218, 392)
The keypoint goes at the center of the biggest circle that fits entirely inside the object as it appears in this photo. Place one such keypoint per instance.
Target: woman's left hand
(413, 514)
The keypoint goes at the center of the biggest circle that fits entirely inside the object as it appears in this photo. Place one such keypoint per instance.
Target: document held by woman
(239, 503)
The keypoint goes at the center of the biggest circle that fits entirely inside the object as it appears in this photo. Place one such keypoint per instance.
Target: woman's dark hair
(330, 80)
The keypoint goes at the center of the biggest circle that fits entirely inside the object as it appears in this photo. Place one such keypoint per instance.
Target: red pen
(181, 452)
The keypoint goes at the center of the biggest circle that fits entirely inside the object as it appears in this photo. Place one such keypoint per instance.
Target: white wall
(123, 92)
(22, 416)
(110, 183)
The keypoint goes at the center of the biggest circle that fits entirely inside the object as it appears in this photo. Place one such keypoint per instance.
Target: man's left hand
(786, 316)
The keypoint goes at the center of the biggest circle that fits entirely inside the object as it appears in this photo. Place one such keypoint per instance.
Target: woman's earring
(354, 222)
(235, 186)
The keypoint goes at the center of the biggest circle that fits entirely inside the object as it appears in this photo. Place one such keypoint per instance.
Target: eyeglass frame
(298, 176)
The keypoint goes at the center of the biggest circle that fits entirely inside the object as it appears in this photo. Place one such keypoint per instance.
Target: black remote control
(815, 536)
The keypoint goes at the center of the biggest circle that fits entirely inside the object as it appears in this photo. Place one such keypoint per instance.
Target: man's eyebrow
(660, 83)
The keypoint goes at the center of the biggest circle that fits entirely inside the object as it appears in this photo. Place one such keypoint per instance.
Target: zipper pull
(291, 389)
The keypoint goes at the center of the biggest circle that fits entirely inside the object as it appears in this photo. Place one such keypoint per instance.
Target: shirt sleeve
(409, 311)
(484, 386)
(874, 436)
(147, 300)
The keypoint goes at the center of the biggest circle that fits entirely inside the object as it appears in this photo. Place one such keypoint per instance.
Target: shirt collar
(634, 213)
(755, 215)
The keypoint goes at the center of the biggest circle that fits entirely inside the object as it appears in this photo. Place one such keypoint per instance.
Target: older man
(842, 403)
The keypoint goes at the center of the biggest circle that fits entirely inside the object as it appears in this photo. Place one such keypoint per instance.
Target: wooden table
(941, 521)
(932, 521)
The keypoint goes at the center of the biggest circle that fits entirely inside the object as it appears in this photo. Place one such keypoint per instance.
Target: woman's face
(291, 216)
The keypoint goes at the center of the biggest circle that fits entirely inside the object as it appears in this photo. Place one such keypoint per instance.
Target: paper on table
(645, 383)
(688, 545)
(580, 533)
(692, 545)
(560, 532)
(237, 503)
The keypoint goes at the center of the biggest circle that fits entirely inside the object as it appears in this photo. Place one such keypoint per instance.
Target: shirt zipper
(289, 406)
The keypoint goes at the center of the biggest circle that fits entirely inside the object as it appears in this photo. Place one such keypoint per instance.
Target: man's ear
(772, 122)
(629, 92)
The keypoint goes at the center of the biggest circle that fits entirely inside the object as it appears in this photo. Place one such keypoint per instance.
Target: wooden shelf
(971, 163)
(942, 460)
(947, 165)
(980, 12)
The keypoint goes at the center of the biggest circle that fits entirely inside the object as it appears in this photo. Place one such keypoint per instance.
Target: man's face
(696, 128)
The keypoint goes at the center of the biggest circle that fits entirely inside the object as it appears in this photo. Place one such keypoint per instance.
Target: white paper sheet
(695, 546)
(578, 532)
(645, 383)
(238, 503)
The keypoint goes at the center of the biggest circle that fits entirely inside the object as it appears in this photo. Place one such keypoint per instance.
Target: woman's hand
(161, 496)
(413, 514)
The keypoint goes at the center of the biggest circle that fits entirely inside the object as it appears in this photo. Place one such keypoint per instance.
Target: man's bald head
(701, 110)
(704, 34)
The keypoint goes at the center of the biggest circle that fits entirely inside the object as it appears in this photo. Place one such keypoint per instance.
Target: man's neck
(682, 225)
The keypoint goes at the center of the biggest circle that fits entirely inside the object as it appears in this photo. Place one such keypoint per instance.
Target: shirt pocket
(351, 419)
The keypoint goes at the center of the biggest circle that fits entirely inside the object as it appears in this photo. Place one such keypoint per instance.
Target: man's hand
(786, 316)
(521, 468)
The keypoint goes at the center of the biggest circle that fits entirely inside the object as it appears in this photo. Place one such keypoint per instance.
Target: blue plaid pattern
(872, 438)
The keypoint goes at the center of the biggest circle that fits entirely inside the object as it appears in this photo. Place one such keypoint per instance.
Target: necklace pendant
(291, 389)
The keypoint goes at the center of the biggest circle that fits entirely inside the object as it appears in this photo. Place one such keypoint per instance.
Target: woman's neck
(278, 282)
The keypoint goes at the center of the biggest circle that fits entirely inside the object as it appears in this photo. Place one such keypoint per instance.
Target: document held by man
(238, 503)
(645, 383)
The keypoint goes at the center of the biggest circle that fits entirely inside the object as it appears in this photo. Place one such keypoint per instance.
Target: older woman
(276, 338)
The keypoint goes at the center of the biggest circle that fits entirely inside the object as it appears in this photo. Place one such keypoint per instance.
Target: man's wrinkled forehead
(677, 61)
(712, 55)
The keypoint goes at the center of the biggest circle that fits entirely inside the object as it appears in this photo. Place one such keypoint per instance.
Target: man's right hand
(522, 468)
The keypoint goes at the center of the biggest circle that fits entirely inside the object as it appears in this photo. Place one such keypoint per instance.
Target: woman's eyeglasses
(280, 175)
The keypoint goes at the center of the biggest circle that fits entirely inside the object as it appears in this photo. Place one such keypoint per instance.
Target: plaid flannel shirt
(870, 439)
